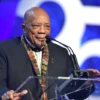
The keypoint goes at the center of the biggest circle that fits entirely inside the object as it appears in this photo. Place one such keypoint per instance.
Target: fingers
(20, 93)
(93, 73)
(10, 95)
(23, 92)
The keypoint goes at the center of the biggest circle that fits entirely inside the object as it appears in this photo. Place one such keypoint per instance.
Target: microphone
(77, 71)
(70, 51)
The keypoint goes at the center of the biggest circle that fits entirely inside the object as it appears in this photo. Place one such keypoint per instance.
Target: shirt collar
(32, 46)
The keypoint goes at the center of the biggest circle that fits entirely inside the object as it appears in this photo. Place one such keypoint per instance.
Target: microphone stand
(70, 51)
(77, 71)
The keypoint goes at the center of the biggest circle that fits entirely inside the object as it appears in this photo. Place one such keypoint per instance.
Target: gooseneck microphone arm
(77, 72)
(70, 51)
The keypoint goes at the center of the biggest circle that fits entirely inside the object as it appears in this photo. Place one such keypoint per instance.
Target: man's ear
(24, 27)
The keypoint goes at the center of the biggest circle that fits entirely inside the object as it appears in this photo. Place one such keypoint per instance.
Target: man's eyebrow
(47, 23)
(40, 23)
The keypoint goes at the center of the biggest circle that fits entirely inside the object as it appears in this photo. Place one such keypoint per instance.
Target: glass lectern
(61, 88)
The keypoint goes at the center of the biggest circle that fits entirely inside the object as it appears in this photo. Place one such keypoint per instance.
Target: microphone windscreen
(48, 39)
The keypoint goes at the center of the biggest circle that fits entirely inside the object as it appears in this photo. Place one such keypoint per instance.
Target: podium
(59, 88)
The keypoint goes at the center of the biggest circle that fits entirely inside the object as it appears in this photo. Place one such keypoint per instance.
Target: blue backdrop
(73, 22)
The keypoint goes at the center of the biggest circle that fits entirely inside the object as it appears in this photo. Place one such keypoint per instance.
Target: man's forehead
(30, 13)
(35, 15)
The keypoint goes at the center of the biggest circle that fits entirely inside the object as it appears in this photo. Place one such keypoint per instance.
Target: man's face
(37, 28)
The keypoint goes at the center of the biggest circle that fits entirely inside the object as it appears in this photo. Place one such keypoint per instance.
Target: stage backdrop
(73, 22)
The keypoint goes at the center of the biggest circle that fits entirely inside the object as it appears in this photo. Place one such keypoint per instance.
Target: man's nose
(42, 29)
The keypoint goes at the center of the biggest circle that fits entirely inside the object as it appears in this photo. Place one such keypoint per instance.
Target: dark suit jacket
(16, 67)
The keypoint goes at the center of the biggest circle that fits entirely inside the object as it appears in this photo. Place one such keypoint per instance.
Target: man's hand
(10, 95)
(93, 73)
